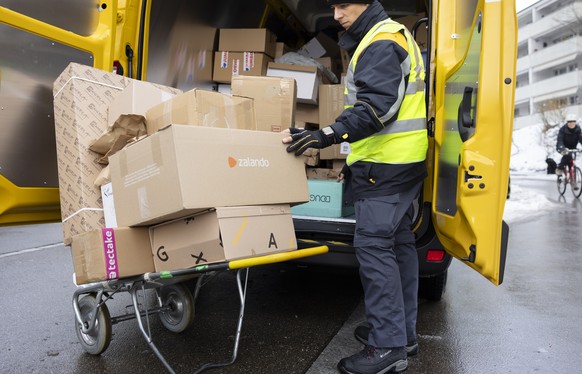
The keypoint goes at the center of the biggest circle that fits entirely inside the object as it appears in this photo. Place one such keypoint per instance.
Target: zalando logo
(248, 162)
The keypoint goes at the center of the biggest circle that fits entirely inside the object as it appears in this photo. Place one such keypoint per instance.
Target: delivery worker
(384, 119)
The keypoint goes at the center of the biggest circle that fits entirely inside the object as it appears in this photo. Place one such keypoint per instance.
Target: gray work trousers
(386, 250)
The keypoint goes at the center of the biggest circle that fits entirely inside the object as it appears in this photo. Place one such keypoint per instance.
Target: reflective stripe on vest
(404, 140)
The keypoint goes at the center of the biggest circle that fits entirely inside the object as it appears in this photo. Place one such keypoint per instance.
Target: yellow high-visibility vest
(404, 140)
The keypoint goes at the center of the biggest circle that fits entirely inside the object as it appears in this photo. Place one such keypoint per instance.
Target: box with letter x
(221, 234)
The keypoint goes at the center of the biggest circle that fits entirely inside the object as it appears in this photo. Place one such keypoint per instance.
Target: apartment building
(549, 58)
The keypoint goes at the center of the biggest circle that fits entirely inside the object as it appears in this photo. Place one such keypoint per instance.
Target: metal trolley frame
(175, 302)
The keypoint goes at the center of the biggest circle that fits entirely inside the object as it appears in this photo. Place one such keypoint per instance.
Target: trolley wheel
(178, 307)
(578, 182)
(96, 340)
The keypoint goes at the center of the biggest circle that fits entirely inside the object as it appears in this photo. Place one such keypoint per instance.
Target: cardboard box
(306, 113)
(137, 98)
(189, 59)
(281, 49)
(319, 46)
(109, 253)
(335, 152)
(325, 200)
(308, 79)
(331, 103)
(276, 98)
(233, 64)
(82, 95)
(222, 234)
(323, 173)
(248, 40)
(203, 108)
(181, 170)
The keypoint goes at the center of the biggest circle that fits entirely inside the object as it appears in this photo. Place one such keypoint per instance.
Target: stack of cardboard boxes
(210, 188)
(318, 103)
(206, 178)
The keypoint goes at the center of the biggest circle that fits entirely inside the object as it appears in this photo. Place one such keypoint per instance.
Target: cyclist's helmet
(571, 118)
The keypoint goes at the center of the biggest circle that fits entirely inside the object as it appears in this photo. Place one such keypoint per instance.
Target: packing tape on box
(81, 211)
(85, 80)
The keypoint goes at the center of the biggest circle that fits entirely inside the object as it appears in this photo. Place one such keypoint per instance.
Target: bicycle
(571, 175)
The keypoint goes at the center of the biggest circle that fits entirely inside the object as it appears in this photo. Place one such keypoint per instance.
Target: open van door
(475, 43)
(38, 40)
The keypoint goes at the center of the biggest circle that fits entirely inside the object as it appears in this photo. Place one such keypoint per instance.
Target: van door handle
(465, 109)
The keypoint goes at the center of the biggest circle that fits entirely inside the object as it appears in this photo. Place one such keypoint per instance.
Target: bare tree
(552, 113)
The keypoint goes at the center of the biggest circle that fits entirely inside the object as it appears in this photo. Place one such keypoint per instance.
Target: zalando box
(203, 108)
(222, 234)
(111, 253)
(181, 170)
(275, 97)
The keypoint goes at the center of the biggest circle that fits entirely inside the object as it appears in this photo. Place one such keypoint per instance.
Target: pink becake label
(110, 249)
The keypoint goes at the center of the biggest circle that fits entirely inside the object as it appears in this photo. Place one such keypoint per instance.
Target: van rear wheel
(432, 288)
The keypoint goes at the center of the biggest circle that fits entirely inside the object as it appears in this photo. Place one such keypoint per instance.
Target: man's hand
(300, 140)
(563, 151)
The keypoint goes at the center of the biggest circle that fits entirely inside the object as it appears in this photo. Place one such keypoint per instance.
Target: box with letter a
(222, 234)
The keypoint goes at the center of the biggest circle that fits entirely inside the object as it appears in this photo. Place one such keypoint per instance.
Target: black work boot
(372, 360)
(362, 331)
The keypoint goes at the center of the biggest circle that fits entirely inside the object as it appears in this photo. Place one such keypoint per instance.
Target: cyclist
(569, 136)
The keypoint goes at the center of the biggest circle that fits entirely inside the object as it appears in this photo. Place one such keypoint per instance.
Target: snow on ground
(529, 150)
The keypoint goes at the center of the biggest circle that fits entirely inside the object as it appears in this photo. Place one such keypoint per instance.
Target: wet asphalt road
(300, 320)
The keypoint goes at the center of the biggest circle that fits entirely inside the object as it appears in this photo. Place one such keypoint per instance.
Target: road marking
(23, 251)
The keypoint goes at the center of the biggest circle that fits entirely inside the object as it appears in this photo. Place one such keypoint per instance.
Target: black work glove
(303, 139)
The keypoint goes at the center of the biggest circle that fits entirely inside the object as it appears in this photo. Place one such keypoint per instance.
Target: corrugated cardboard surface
(336, 152)
(331, 103)
(82, 95)
(221, 235)
(308, 113)
(232, 64)
(184, 169)
(203, 108)
(137, 98)
(273, 97)
(247, 40)
(308, 79)
(115, 253)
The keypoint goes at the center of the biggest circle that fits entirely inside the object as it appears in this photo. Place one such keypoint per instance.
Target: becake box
(181, 170)
(273, 97)
(82, 95)
(222, 234)
(111, 253)
(203, 108)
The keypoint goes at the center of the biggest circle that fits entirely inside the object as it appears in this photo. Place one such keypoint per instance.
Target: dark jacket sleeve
(560, 142)
(380, 85)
